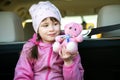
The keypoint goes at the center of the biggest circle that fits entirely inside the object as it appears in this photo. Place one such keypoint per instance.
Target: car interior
(99, 52)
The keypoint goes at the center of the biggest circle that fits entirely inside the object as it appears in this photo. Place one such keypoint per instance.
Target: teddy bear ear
(66, 26)
(81, 27)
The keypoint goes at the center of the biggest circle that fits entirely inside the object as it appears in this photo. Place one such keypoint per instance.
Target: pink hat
(43, 10)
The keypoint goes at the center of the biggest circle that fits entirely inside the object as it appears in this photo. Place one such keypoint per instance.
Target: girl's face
(49, 28)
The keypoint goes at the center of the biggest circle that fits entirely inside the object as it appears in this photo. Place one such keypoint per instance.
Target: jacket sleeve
(74, 71)
(23, 69)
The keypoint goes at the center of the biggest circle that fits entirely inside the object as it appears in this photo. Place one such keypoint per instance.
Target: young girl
(37, 60)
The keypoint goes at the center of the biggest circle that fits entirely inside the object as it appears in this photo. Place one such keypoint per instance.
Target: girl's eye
(56, 23)
(45, 25)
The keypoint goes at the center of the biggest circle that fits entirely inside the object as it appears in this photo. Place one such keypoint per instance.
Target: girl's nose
(51, 27)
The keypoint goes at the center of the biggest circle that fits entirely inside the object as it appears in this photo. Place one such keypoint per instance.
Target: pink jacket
(49, 65)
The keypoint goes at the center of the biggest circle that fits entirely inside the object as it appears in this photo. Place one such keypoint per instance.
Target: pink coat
(49, 65)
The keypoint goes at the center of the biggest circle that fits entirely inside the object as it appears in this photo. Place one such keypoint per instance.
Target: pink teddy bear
(72, 35)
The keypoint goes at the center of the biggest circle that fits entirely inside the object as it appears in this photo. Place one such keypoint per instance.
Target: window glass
(91, 20)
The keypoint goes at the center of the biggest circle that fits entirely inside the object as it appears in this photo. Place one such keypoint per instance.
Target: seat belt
(104, 29)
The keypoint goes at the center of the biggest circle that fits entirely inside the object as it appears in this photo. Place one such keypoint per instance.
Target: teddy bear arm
(59, 38)
(79, 38)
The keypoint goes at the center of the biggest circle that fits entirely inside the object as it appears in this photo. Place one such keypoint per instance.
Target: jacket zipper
(49, 63)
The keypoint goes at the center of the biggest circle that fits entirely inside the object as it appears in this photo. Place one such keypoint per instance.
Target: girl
(37, 60)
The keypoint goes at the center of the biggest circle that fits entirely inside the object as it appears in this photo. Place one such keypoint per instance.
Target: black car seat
(11, 42)
(109, 15)
(28, 31)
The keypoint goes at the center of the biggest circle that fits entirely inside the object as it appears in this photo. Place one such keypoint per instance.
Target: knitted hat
(43, 10)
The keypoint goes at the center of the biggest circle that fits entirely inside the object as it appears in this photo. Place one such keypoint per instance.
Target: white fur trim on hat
(43, 10)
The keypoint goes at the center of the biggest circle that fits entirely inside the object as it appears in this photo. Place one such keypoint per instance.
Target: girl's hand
(67, 56)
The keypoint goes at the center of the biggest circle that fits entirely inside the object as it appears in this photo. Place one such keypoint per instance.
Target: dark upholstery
(28, 31)
(9, 54)
(100, 59)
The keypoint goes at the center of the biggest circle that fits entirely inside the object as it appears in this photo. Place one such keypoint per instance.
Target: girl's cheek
(56, 28)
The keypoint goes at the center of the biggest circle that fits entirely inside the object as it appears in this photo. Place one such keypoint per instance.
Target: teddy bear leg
(56, 47)
(72, 47)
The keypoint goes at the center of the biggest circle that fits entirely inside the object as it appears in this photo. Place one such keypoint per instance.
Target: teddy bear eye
(70, 27)
(75, 29)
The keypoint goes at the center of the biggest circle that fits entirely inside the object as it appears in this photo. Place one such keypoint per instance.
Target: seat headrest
(11, 29)
(109, 15)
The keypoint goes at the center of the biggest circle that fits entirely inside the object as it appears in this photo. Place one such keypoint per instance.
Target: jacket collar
(44, 45)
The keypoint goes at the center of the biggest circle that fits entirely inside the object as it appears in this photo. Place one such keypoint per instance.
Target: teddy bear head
(73, 29)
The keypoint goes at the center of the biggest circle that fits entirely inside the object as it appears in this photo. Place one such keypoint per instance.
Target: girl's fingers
(60, 53)
(64, 54)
